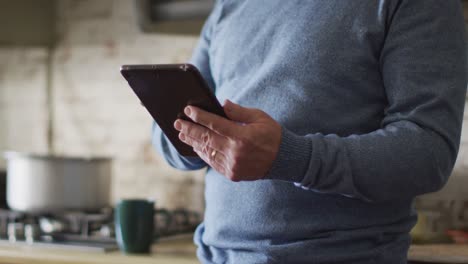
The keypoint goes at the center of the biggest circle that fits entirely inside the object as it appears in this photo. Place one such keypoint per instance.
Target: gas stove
(84, 231)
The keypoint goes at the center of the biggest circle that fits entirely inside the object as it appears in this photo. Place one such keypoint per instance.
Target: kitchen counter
(439, 254)
(180, 251)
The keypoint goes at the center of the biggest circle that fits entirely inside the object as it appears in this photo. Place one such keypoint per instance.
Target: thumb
(239, 113)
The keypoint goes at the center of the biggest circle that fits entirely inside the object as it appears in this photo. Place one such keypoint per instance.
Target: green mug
(134, 225)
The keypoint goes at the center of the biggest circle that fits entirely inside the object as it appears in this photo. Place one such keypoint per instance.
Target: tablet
(165, 90)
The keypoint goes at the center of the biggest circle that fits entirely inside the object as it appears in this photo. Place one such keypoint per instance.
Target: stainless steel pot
(48, 183)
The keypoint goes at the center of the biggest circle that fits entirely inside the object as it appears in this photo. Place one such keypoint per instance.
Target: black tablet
(165, 90)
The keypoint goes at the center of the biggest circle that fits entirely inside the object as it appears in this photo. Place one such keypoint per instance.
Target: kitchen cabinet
(27, 23)
(172, 17)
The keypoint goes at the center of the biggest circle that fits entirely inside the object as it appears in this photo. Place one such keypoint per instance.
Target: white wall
(23, 111)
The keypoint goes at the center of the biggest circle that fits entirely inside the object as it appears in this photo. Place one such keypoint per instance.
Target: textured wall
(23, 111)
(96, 113)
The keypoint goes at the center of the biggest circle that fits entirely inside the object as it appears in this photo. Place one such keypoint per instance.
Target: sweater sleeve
(200, 58)
(423, 67)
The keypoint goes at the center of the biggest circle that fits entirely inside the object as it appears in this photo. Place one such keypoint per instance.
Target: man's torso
(314, 66)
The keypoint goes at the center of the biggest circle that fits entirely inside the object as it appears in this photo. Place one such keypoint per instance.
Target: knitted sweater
(370, 97)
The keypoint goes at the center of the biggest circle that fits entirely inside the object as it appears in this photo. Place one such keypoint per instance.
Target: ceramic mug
(134, 224)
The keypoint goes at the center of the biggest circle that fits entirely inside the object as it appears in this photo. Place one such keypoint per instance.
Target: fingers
(215, 159)
(207, 144)
(239, 113)
(214, 122)
(199, 137)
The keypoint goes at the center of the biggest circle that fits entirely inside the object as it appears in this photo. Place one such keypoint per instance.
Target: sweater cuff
(292, 160)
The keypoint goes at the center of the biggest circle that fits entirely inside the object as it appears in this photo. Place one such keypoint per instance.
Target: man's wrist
(292, 161)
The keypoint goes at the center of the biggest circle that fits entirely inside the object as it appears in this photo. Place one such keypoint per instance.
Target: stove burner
(82, 230)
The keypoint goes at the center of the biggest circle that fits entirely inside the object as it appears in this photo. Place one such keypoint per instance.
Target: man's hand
(242, 149)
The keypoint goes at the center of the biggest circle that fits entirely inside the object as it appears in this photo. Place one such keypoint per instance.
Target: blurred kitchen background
(61, 93)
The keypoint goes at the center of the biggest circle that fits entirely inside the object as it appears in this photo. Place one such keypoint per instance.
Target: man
(345, 111)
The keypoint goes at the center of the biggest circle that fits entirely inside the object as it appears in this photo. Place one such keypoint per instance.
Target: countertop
(182, 251)
(179, 251)
(439, 253)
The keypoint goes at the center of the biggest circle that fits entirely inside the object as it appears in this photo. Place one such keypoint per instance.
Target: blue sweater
(370, 96)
